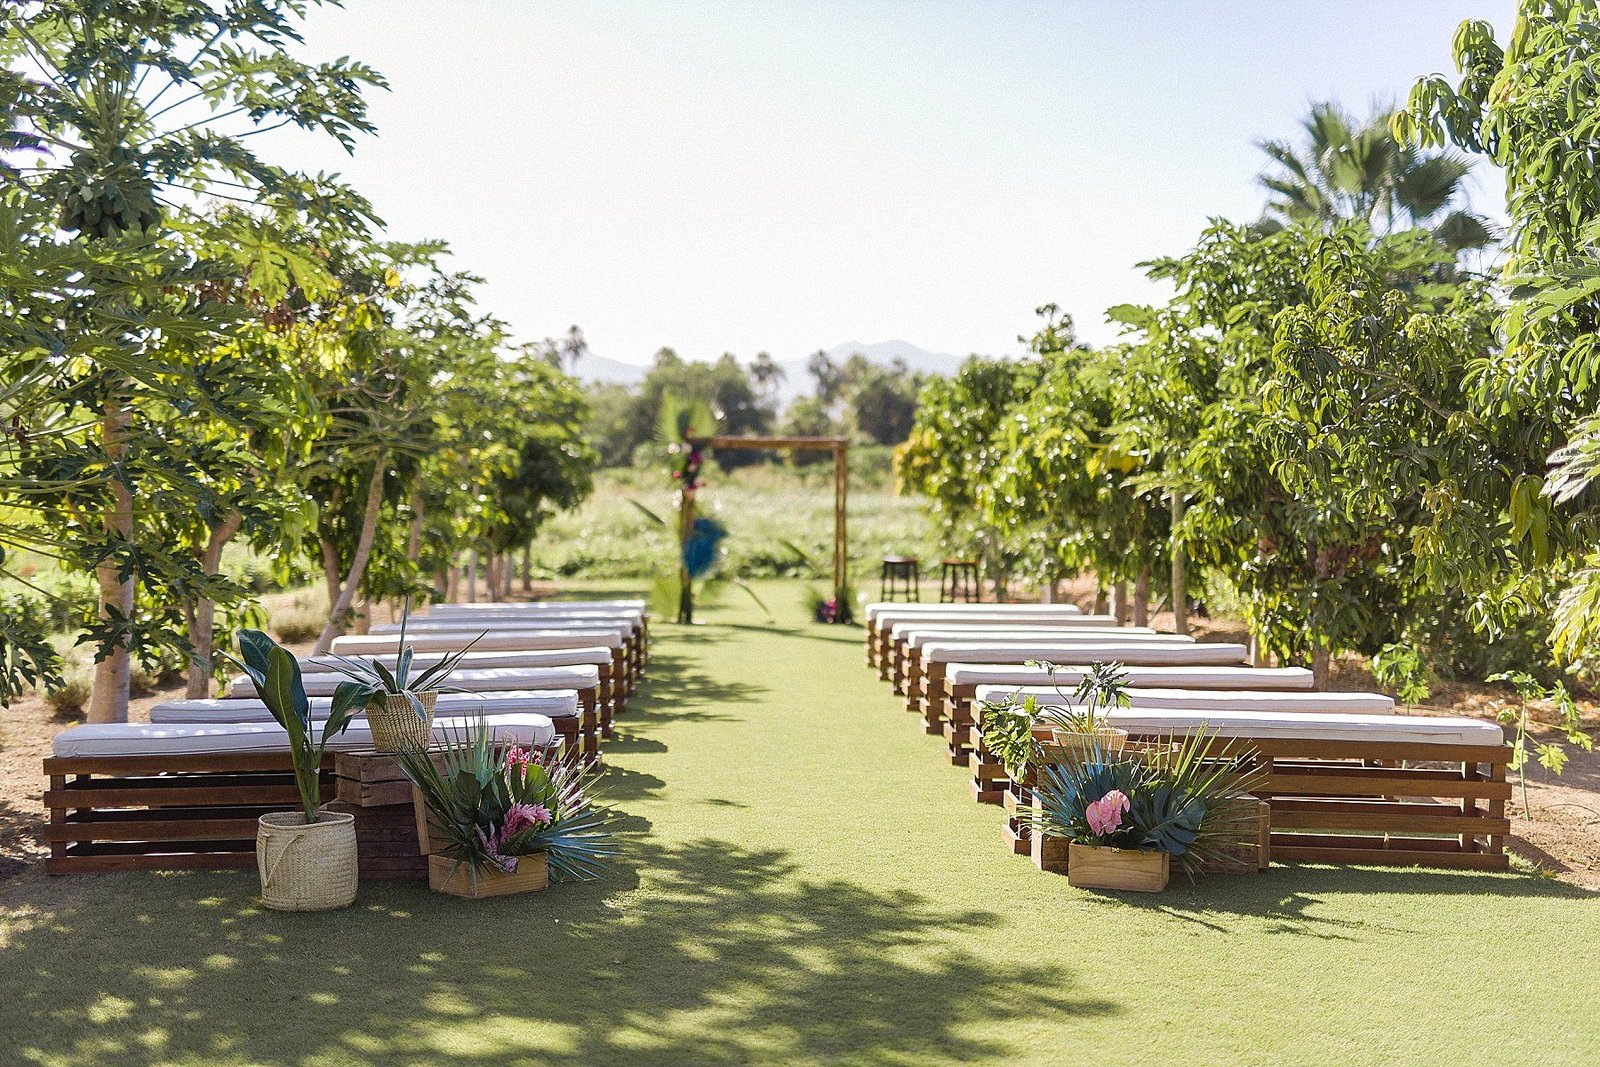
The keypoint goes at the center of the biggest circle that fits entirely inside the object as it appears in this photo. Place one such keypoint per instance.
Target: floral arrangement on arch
(491, 804)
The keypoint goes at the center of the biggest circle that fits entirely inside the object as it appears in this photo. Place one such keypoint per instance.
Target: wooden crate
(195, 812)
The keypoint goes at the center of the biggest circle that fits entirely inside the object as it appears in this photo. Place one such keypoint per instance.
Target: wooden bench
(881, 617)
(179, 806)
(1366, 789)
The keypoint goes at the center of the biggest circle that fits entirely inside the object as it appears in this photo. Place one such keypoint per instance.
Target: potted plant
(496, 819)
(306, 858)
(399, 708)
(1007, 726)
(1127, 817)
(1077, 721)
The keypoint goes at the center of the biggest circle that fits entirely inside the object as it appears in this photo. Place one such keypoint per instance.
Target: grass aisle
(810, 883)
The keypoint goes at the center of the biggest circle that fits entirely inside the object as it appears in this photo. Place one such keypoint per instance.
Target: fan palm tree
(1348, 169)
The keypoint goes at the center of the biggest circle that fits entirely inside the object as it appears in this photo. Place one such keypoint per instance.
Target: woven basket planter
(306, 866)
(1083, 745)
(395, 724)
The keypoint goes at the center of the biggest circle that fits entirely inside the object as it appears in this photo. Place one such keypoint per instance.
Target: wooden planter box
(1099, 867)
(445, 875)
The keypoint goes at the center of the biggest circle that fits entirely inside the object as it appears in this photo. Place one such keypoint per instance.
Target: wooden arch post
(840, 447)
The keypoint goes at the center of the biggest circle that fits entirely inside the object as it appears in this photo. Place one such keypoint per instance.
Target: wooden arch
(840, 447)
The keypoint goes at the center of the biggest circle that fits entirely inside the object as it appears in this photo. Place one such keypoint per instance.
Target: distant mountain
(796, 380)
(593, 368)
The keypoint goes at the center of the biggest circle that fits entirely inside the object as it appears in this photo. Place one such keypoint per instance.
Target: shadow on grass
(1287, 897)
(677, 689)
(731, 956)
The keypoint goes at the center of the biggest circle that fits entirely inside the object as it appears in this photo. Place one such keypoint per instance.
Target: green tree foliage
(1532, 106)
(179, 373)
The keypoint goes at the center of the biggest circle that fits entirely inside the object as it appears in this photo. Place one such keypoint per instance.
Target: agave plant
(277, 677)
(491, 804)
(1183, 796)
(370, 679)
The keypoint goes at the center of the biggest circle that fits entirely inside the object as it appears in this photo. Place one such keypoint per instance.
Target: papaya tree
(137, 112)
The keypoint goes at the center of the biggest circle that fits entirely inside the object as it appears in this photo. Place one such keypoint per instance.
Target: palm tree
(1352, 170)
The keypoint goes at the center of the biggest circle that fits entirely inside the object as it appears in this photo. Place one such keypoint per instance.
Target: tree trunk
(109, 699)
(1141, 598)
(472, 576)
(330, 570)
(414, 538)
(527, 566)
(1119, 602)
(202, 620)
(452, 589)
(363, 619)
(1180, 572)
(1320, 665)
(1100, 605)
(358, 565)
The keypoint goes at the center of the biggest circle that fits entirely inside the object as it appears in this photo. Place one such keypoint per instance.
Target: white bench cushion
(153, 739)
(454, 641)
(552, 703)
(1311, 727)
(489, 680)
(1084, 653)
(1011, 674)
(1209, 700)
(917, 636)
(872, 611)
(617, 615)
(629, 628)
(475, 660)
(473, 627)
(638, 606)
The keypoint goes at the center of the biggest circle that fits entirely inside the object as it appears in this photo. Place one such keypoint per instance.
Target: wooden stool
(901, 577)
(958, 581)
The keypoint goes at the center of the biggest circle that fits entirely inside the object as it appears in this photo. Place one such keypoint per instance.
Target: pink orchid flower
(1105, 814)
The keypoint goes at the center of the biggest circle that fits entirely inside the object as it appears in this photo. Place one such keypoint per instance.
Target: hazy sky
(786, 176)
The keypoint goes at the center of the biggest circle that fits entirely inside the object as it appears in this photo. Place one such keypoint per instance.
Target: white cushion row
(1274, 678)
(504, 626)
(154, 739)
(1206, 699)
(552, 703)
(488, 680)
(475, 660)
(1265, 725)
(877, 608)
(1084, 653)
(916, 638)
(494, 641)
(543, 605)
(617, 614)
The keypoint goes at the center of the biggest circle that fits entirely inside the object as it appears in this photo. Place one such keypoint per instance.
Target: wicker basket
(395, 725)
(1107, 740)
(306, 866)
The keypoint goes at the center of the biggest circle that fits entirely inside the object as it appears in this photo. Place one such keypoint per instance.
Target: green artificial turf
(808, 881)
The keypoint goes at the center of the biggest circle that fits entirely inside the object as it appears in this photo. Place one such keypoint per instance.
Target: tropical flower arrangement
(1184, 797)
(489, 807)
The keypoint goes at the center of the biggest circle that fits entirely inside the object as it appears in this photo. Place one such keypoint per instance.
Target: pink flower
(521, 817)
(519, 757)
(1105, 814)
(508, 864)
